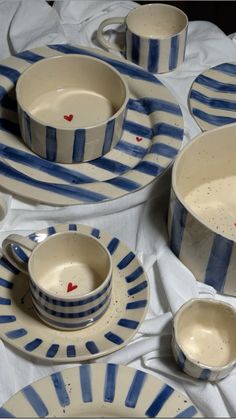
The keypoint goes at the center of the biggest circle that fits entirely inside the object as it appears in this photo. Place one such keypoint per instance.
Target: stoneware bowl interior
(205, 332)
(204, 180)
(72, 258)
(157, 21)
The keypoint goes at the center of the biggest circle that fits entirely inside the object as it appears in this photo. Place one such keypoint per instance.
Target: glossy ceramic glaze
(204, 342)
(21, 327)
(152, 136)
(99, 390)
(212, 96)
(202, 223)
(155, 36)
(71, 108)
(70, 277)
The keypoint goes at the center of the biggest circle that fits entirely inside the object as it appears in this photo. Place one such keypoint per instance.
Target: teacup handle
(18, 240)
(101, 39)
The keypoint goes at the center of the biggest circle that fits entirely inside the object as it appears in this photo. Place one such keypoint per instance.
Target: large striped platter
(152, 136)
(21, 327)
(99, 390)
(212, 98)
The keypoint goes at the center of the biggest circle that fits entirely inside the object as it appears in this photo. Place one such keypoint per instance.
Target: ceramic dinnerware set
(79, 282)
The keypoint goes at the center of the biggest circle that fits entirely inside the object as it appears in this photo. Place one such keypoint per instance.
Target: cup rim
(69, 298)
(158, 5)
(76, 56)
(176, 335)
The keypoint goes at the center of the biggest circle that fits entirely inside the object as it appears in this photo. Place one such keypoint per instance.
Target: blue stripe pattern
(7, 265)
(70, 351)
(31, 346)
(162, 128)
(217, 120)
(218, 262)
(112, 337)
(147, 105)
(135, 48)
(136, 305)
(126, 261)
(35, 401)
(72, 227)
(85, 383)
(5, 414)
(6, 101)
(6, 284)
(28, 129)
(92, 347)
(164, 150)
(226, 68)
(125, 184)
(187, 413)
(215, 85)
(159, 401)
(129, 324)
(138, 288)
(113, 245)
(174, 52)
(135, 274)
(178, 225)
(51, 143)
(131, 149)
(79, 146)
(16, 334)
(113, 166)
(108, 136)
(60, 389)
(52, 350)
(110, 383)
(153, 55)
(7, 319)
(20, 253)
(205, 374)
(135, 389)
(5, 301)
(215, 103)
(95, 233)
(10, 73)
(29, 56)
(51, 230)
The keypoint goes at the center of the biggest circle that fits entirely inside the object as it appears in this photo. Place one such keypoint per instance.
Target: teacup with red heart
(70, 276)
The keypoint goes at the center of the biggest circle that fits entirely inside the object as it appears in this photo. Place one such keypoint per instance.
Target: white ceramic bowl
(71, 108)
(202, 213)
(204, 339)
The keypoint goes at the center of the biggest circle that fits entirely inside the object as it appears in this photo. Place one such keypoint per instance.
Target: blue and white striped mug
(156, 36)
(70, 276)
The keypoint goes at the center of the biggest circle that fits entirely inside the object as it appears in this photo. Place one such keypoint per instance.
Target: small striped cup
(70, 277)
(156, 36)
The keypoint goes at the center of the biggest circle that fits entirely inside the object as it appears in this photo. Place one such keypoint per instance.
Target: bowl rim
(77, 57)
(175, 188)
(175, 334)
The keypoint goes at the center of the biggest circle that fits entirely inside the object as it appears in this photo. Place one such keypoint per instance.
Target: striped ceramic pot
(71, 108)
(156, 36)
(70, 277)
(202, 222)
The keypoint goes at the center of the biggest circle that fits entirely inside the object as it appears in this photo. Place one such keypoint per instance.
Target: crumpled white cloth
(139, 219)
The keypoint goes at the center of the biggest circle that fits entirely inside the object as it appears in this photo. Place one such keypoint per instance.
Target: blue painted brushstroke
(147, 105)
(187, 413)
(92, 347)
(51, 143)
(162, 128)
(4, 413)
(70, 351)
(137, 129)
(215, 85)
(6, 284)
(134, 275)
(5, 301)
(125, 184)
(131, 149)
(35, 401)
(85, 383)
(174, 52)
(52, 350)
(112, 337)
(136, 305)
(135, 48)
(129, 324)
(138, 288)
(178, 226)
(153, 55)
(126, 260)
(108, 136)
(95, 233)
(135, 389)
(16, 334)
(113, 245)
(159, 401)
(29, 56)
(72, 227)
(205, 374)
(110, 383)
(7, 319)
(163, 150)
(149, 168)
(20, 253)
(227, 68)
(60, 389)
(31, 346)
(113, 166)
(79, 145)
(217, 120)
(214, 103)
(10, 73)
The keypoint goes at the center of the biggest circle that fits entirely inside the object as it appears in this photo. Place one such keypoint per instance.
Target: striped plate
(99, 389)
(20, 326)
(212, 98)
(153, 133)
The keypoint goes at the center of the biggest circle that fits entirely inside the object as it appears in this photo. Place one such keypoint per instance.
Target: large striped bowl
(203, 245)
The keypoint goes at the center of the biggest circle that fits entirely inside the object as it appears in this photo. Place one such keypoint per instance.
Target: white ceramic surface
(156, 36)
(70, 276)
(202, 223)
(204, 340)
(107, 390)
(71, 107)
(152, 137)
(212, 96)
(21, 327)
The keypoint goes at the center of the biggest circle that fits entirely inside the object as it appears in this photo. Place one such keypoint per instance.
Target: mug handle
(18, 240)
(101, 39)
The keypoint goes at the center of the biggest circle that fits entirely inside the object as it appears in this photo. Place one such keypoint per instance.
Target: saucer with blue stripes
(99, 390)
(152, 136)
(212, 97)
(22, 328)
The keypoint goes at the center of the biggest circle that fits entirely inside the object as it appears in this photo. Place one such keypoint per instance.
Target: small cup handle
(19, 241)
(110, 21)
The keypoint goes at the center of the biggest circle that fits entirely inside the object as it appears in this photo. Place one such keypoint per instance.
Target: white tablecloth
(138, 219)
